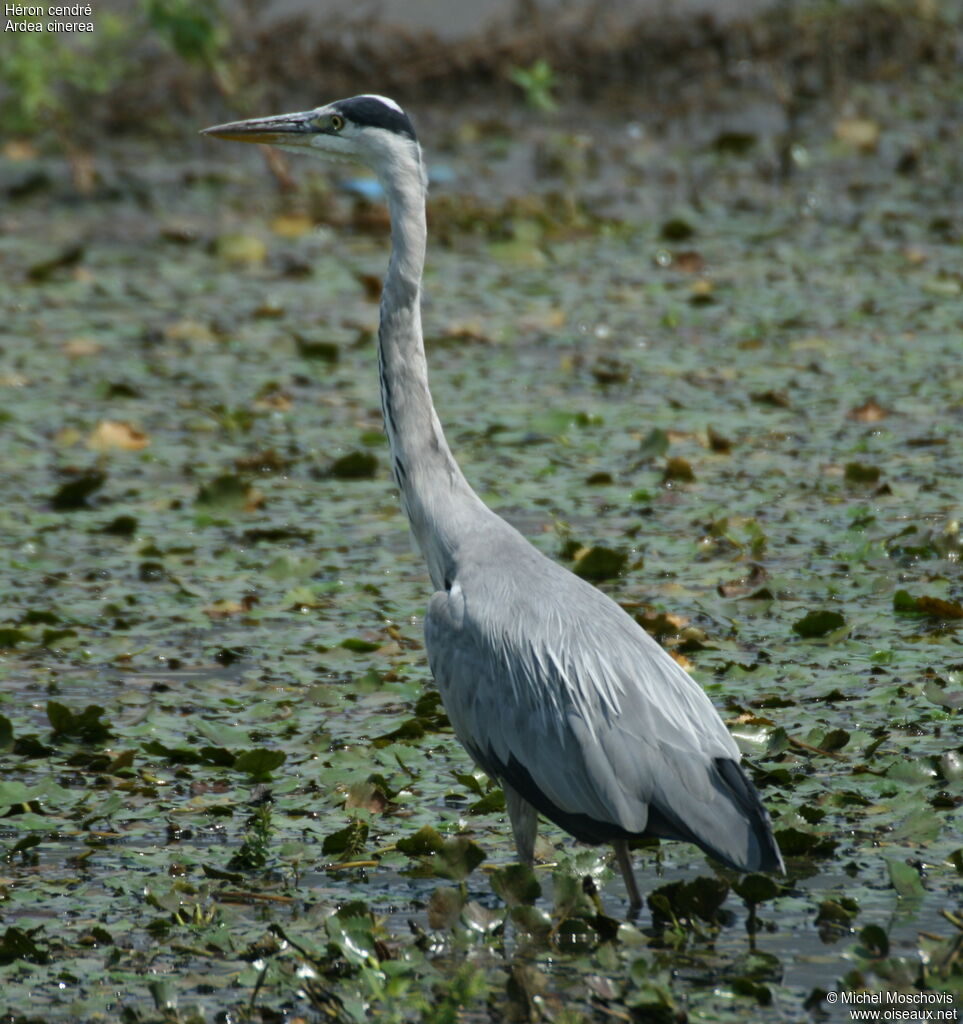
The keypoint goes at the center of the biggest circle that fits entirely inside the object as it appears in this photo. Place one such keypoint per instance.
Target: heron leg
(524, 819)
(624, 859)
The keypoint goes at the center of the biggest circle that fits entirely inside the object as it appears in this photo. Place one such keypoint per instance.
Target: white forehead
(386, 100)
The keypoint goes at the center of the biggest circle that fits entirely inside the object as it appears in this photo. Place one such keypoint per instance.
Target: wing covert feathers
(556, 691)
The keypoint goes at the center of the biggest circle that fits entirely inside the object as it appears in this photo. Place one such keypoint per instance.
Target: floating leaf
(676, 229)
(354, 466)
(84, 726)
(818, 623)
(259, 763)
(291, 225)
(368, 796)
(425, 842)
(238, 249)
(444, 908)
(835, 739)
(762, 994)
(17, 944)
(920, 826)
(210, 871)
(655, 444)
(532, 920)
(777, 399)
(795, 843)
(905, 879)
(10, 636)
(840, 912)
(516, 884)
(68, 257)
(661, 624)
(226, 493)
(347, 842)
(117, 435)
(189, 755)
(702, 898)
(490, 803)
(869, 412)
(22, 847)
(874, 943)
(608, 370)
(756, 888)
(701, 292)
(861, 473)
(678, 470)
(718, 443)
(935, 607)
(859, 132)
(309, 348)
(73, 494)
(738, 143)
(470, 782)
(951, 700)
(121, 526)
(446, 858)
(599, 563)
(359, 646)
(191, 332)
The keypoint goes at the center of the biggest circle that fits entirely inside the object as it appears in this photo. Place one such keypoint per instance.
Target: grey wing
(591, 721)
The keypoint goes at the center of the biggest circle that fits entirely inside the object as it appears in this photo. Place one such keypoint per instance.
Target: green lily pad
(818, 623)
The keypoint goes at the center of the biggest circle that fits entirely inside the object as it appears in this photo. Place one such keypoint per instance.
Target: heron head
(371, 129)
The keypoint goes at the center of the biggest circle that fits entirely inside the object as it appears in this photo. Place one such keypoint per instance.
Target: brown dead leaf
(67, 437)
(223, 609)
(677, 470)
(291, 225)
(939, 608)
(746, 585)
(226, 608)
(116, 435)
(859, 132)
(368, 796)
(190, 331)
(277, 400)
(444, 908)
(718, 443)
(680, 659)
(661, 624)
(688, 262)
(239, 250)
(869, 412)
(470, 331)
(914, 255)
(83, 170)
(270, 309)
(777, 399)
(371, 284)
(748, 718)
(676, 436)
(268, 461)
(78, 348)
(19, 150)
(255, 499)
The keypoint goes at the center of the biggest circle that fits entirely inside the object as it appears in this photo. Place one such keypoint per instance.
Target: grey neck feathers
(434, 494)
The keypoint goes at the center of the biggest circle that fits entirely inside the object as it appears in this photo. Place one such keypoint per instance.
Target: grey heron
(552, 688)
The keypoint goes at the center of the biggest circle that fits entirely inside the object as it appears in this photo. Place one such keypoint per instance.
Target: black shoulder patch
(372, 112)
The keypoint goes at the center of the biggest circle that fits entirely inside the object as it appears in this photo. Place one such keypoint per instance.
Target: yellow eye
(337, 122)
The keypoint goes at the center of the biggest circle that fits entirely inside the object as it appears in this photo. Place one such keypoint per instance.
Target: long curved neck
(434, 494)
